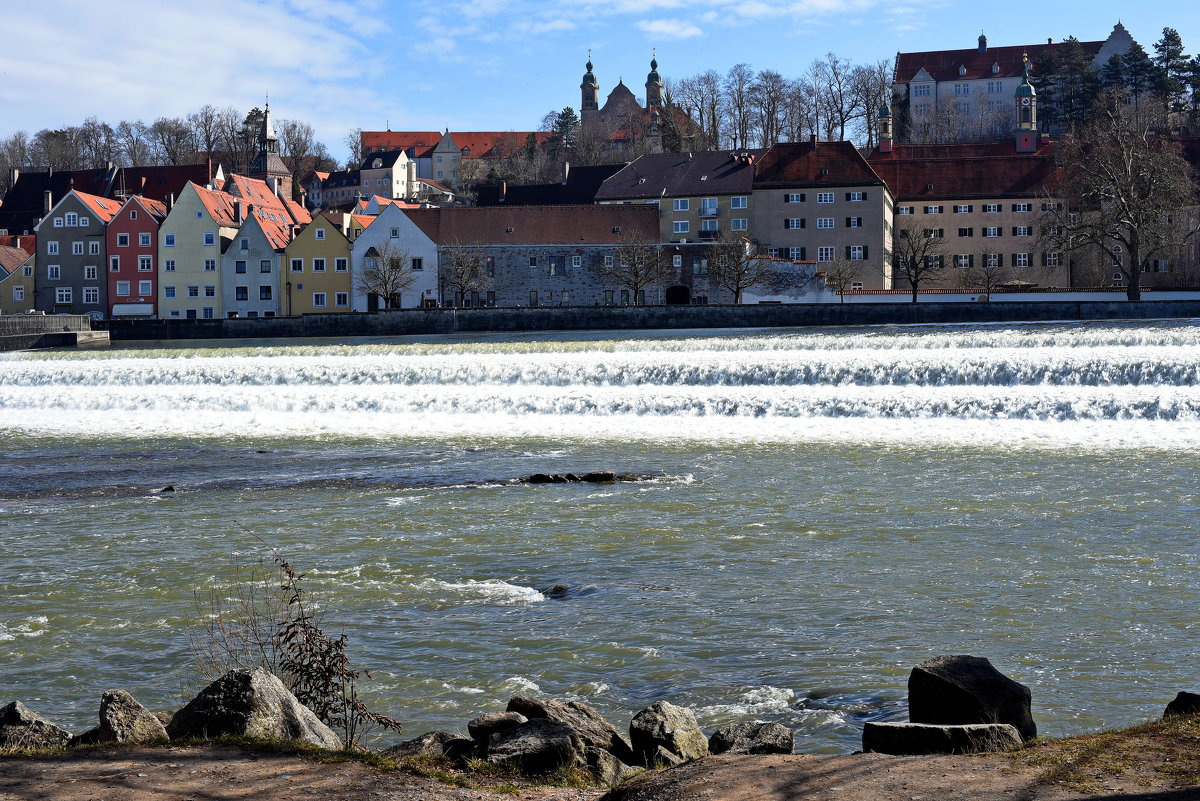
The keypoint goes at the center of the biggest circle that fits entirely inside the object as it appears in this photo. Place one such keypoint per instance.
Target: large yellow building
(318, 264)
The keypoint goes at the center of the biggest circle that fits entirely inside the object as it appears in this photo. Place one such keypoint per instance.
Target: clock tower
(1026, 101)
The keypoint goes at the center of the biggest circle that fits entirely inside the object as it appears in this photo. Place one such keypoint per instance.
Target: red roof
(987, 170)
(814, 163)
(102, 208)
(11, 258)
(944, 65)
(481, 144)
(554, 225)
(26, 242)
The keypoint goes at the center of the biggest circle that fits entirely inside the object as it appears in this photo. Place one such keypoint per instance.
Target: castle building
(623, 121)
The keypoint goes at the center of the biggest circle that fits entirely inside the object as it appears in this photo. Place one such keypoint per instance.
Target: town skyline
(498, 65)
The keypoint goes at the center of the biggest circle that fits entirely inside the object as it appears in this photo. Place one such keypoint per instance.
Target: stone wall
(567, 318)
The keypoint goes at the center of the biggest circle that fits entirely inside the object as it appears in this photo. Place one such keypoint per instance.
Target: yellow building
(16, 288)
(318, 264)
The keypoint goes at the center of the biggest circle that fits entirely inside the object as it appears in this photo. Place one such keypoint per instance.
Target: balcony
(709, 211)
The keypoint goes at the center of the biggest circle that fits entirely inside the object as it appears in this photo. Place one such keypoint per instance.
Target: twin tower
(621, 102)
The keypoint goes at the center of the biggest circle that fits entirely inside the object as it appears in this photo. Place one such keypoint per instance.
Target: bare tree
(735, 266)
(353, 143)
(840, 275)
(637, 263)
(768, 97)
(387, 273)
(173, 138)
(461, 271)
(97, 144)
(871, 85)
(297, 147)
(737, 104)
(916, 252)
(802, 113)
(1121, 192)
(832, 80)
(14, 155)
(984, 272)
(56, 149)
(205, 124)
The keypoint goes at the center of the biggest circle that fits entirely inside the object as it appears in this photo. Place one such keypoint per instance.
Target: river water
(813, 514)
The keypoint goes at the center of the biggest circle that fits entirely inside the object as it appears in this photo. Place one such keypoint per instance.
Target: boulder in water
(669, 727)
(586, 722)
(537, 746)
(484, 726)
(752, 738)
(959, 690)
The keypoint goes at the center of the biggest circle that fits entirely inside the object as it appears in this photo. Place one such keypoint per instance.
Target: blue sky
(477, 65)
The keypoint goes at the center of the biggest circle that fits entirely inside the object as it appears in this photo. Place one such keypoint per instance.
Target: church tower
(590, 94)
(885, 129)
(267, 166)
(1026, 105)
(654, 86)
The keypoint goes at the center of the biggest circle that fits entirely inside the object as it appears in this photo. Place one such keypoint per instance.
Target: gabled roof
(154, 208)
(101, 208)
(26, 242)
(386, 159)
(580, 188)
(944, 65)
(987, 170)
(480, 144)
(814, 164)
(538, 225)
(257, 193)
(11, 258)
(659, 175)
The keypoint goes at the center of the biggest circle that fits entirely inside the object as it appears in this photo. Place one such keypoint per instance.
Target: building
(450, 157)
(131, 244)
(698, 195)
(822, 201)
(393, 237)
(627, 126)
(965, 95)
(16, 279)
(267, 166)
(318, 264)
(195, 233)
(71, 254)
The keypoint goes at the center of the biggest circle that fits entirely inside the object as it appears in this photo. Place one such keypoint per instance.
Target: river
(814, 513)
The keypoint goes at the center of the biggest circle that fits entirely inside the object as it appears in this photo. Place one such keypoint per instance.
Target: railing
(17, 324)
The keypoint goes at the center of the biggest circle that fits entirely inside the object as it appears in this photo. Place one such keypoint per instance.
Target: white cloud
(669, 29)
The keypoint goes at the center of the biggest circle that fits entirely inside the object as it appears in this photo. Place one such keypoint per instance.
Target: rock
(922, 738)
(537, 746)
(435, 744)
(592, 729)
(539, 478)
(1184, 704)
(957, 690)
(557, 591)
(484, 726)
(164, 716)
(672, 728)
(21, 727)
(251, 704)
(752, 738)
(602, 477)
(607, 768)
(124, 720)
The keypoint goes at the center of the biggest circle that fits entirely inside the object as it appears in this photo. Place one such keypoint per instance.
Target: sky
(481, 65)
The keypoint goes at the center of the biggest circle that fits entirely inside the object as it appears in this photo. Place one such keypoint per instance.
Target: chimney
(812, 140)
(237, 212)
(47, 201)
(15, 175)
(170, 201)
(503, 190)
(566, 171)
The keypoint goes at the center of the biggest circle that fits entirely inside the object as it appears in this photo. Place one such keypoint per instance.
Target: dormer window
(962, 70)
(377, 163)
(995, 69)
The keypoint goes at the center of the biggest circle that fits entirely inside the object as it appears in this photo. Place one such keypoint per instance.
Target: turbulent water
(814, 514)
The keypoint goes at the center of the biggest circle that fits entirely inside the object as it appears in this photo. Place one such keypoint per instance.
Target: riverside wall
(451, 321)
(28, 331)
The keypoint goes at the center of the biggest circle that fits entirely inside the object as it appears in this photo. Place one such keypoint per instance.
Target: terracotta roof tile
(538, 225)
(682, 175)
(965, 171)
(11, 258)
(814, 164)
(102, 208)
(943, 65)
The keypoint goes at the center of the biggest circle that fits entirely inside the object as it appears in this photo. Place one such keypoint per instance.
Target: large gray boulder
(537, 746)
(250, 703)
(607, 768)
(435, 744)
(752, 738)
(922, 738)
(592, 729)
(1184, 704)
(483, 727)
(669, 727)
(959, 690)
(21, 727)
(123, 720)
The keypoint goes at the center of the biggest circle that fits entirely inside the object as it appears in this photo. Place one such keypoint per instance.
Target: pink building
(132, 247)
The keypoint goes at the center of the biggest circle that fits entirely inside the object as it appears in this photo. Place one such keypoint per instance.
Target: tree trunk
(914, 287)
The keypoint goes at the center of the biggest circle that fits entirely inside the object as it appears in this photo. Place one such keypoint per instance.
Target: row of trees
(222, 134)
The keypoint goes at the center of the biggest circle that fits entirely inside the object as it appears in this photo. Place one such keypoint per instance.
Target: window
(341, 299)
(28, 271)
(793, 223)
(210, 291)
(91, 294)
(394, 233)
(935, 233)
(904, 209)
(1020, 260)
(708, 207)
(738, 224)
(991, 232)
(168, 292)
(995, 87)
(297, 265)
(133, 214)
(208, 312)
(933, 209)
(553, 265)
(318, 300)
(1055, 260)
(993, 260)
(210, 265)
(114, 264)
(145, 264)
(122, 240)
(143, 240)
(679, 204)
(18, 294)
(62, 294)
(193, 291)
(239, 266)
(856, 285)
(53, 272)
(340, 265)
(1022, 207)
(1022, 230)
(854, 222)
(89, 273)
(264, 266)
(699, 266)
(739, 202)
(577, 261)
(320, 234)
(58, 222)
(825, 197)
(933, 262)
(168, 240)
(824, 254)
(824, 222)
(966, 232)
(856, 197)
(76, 248)
(921, 90)
(418, 264)
(122, 288)
(793, 198)
(962, 260)
(680, 226)
(962, 209)
(796, 254)
(210, 238)
(857, 252)
(241, 293)
(319, 266)
(264, 293)
(677, 260)
(51, 248)
(72, 219)
(145, 288)
(608, 261)
(709, 225)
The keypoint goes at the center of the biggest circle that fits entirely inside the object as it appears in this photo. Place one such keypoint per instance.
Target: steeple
(885, 129)
(982, 43)
(1025, 99)
(267, 165)
(589, 88)
(654, 84)
(267, 141)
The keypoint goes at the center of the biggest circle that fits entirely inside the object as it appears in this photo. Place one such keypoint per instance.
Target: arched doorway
(679, 296)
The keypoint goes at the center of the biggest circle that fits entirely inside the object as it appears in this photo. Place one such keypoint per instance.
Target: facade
(390, 174)
(393, 235)
(131, 244)
(16, 280)
(822, 201)
(450, 156)
(698, 195)
(191, 240)
(318, 264)
(252, 279)
(965, 95)
(71, 256)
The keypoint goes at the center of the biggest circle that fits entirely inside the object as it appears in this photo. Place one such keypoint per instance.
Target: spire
(589, 88)
(654, 84)
(982, 43)
(266, 134)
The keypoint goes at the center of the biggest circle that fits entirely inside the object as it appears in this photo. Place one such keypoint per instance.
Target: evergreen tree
(1139, 71)
(1171, 70)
